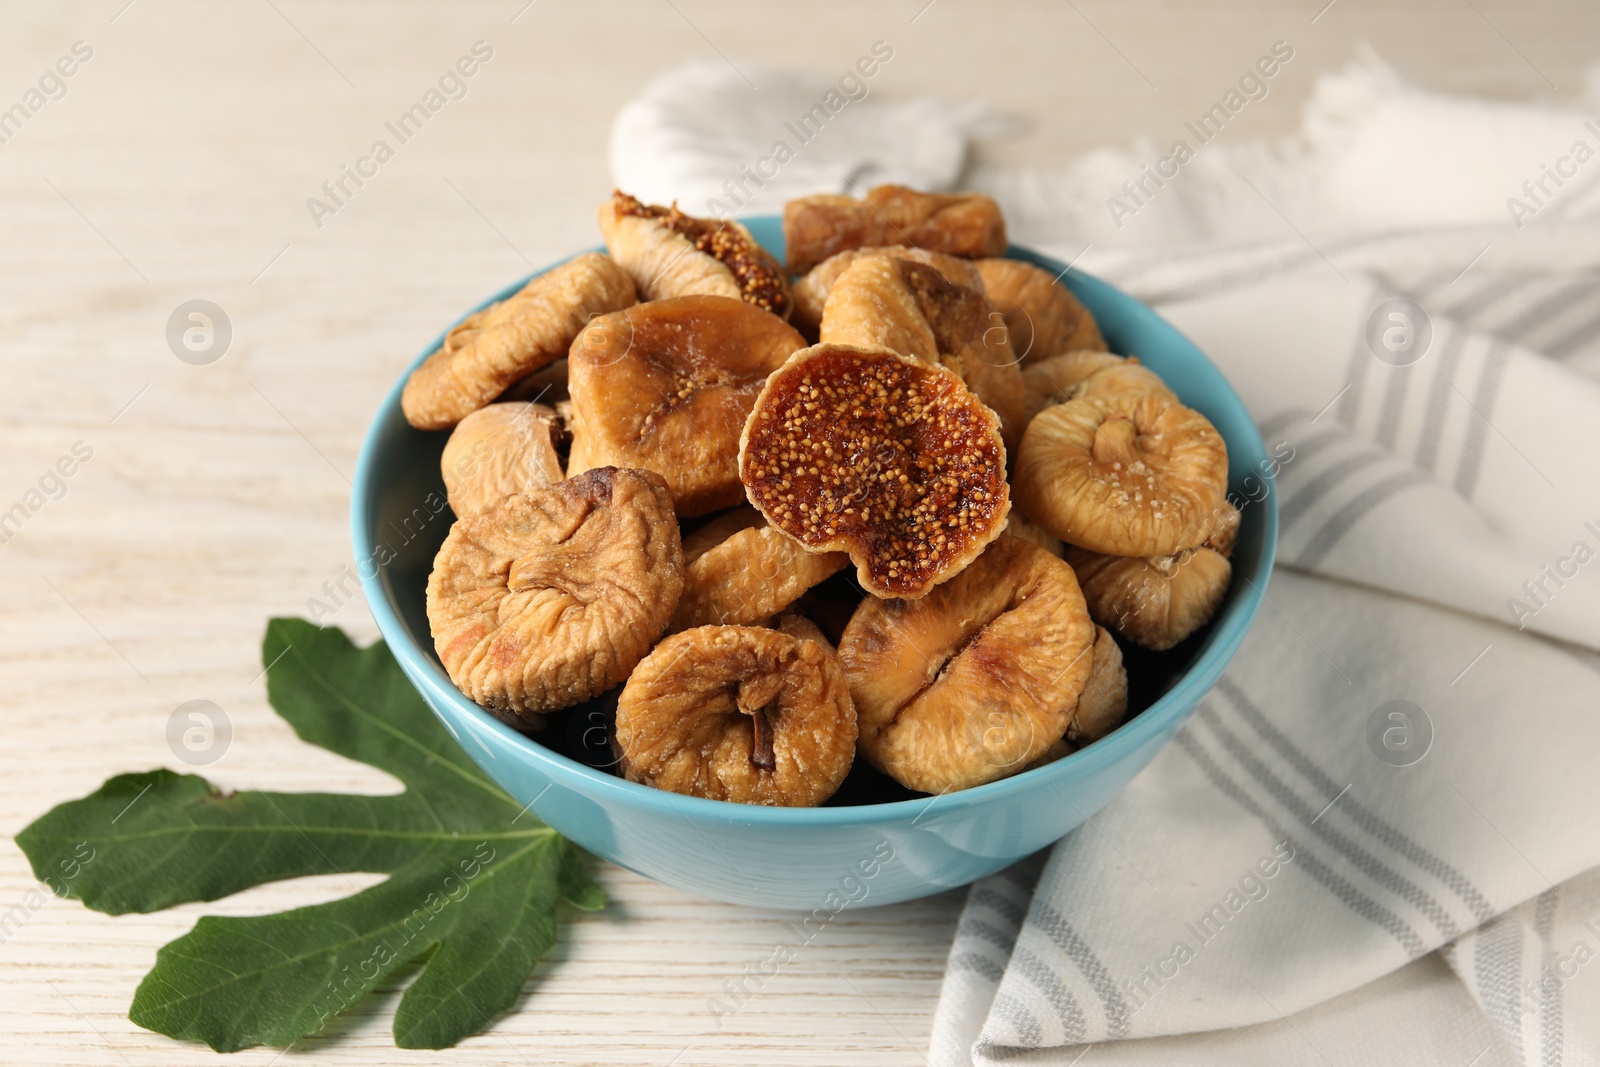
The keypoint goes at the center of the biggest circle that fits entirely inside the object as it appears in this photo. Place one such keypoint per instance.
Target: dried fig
(872, 303)
(672, 254)
(1153, 602)
(1104, 700)
(1125, 474)
(563, 409)
(880, 455)
(739, 713)
(975, 680)
(1042, 316)
(717, 529)
(1086, 373)
(1223, 529)
(1102, 704)
(751, 575)
(962, 224)
(495, 347)
(549, 597)
(911, 308)
(501, 449)
(1055, 379)
(667, 385)
(811, 291)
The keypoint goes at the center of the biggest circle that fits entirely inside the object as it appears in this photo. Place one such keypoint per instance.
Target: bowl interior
(399, 519)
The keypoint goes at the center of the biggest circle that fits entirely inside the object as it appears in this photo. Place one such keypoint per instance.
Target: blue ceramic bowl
(820, 860)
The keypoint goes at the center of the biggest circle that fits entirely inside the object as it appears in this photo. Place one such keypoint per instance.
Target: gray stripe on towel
(1059, 930)
(1054, 990)
(1489, 378)
(1333, 531)
(1296, 806)
(1550, 1010)
(1298, 504)
(1438, 409)
(1346, 893)
(1354, 810)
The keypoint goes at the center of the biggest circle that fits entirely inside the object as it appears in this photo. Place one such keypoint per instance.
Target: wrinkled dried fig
(1086, 373)
(672, 254)
(739, 713)
(1223, 529)
(1104, 700)
(501, 449)
(911, 308)
(749, 575)
(1042, 316)
(1153, 602)
(1055, 380)
(1125, 474)
(963, 224)
(975, 680)
(880, 455)
(667, 385)
(1102, 704)
(873, 303)
(811, 291)
(547, 598)
(717, 529)
(495, 347)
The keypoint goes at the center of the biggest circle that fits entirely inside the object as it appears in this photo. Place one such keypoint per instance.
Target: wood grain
(177, 166)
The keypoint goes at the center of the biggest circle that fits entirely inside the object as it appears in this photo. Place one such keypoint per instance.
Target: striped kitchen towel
(1378, 840)
(1395, 781)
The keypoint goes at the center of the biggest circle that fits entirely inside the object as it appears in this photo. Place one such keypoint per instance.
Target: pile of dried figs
(894, 497)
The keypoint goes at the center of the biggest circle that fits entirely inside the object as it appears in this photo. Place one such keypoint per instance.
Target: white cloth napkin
(1395, 782)
(708, 134)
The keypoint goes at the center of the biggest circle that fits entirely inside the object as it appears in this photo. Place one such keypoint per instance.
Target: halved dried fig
(1087, 373)
(501, 449)
(495, 347)
(672, 254)
(739, 713)
(1042, 316)
(1102, 704)
(977, 679)
(1153, 602)
(880, 455)
(749, 576)
(667, 385)
(547, 598)
(811, 291)
(911, 308)
(1125, 474)
(962, 224)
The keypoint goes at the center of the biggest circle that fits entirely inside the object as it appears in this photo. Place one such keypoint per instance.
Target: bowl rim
(1168, 710)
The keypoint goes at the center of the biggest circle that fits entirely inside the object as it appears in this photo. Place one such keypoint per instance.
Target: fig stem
(761, 753)
(1115, 441)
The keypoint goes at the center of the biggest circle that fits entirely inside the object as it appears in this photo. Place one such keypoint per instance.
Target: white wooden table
(177, 165)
